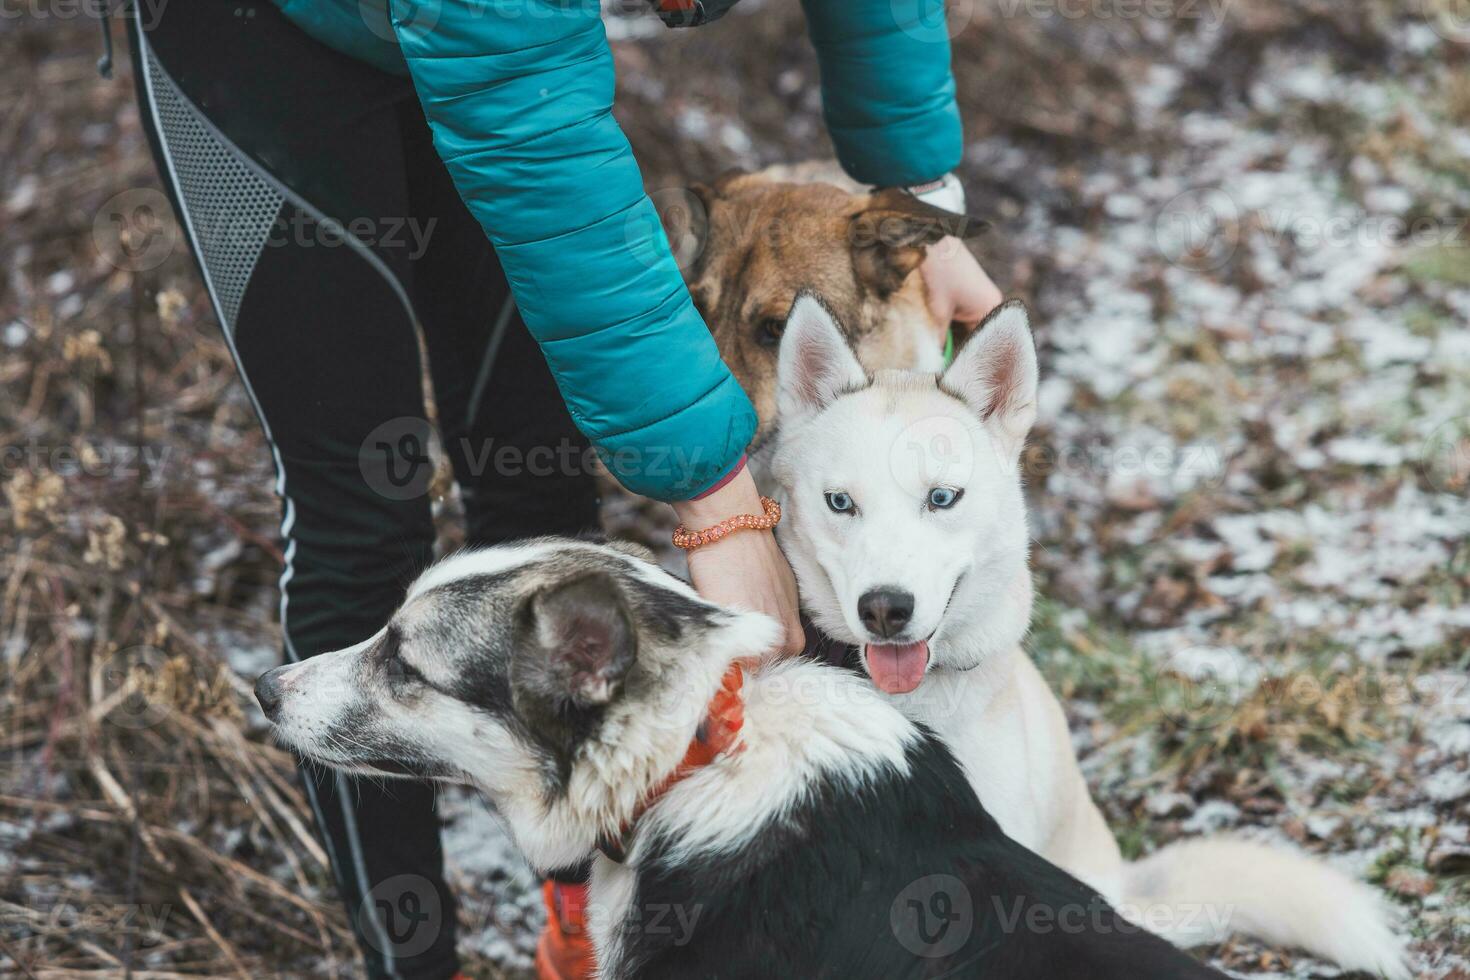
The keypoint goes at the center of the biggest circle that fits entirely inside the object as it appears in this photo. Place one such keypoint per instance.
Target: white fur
(1273, 893)
(967, 566)
(474, 562)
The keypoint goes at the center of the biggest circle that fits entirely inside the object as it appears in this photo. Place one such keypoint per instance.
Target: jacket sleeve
(887, 91)
(519, 97)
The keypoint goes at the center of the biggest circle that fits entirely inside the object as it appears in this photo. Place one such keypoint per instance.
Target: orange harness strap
(714, 737)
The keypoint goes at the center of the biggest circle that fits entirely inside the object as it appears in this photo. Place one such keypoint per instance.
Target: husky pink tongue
(897, 668)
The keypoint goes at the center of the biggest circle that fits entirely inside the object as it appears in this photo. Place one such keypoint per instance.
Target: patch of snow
(1212, 817)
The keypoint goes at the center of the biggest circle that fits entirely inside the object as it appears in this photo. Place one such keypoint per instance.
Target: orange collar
(715, 736)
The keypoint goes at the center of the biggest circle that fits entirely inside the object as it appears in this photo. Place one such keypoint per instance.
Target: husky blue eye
(943, 498)
(840, 502)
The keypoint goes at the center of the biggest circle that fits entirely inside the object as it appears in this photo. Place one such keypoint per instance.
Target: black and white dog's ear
(995, 372)
(576, 642)
(816, 362)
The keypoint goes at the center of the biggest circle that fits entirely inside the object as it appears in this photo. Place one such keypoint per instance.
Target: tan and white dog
(906, 526)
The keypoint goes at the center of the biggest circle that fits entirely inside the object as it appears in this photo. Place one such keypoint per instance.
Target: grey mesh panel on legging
(232, 208)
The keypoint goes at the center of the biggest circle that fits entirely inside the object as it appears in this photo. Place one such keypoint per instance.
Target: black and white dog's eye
(943, 498)
(399, 672)
(839, 501)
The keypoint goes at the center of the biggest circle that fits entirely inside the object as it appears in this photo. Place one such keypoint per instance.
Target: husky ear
(995, 372)
(816, 363)
(575, 642)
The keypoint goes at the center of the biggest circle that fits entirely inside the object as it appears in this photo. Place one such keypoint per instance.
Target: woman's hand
(959, 290)
(745, 569)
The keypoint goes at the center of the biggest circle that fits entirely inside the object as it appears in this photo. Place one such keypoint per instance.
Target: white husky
(906, 526)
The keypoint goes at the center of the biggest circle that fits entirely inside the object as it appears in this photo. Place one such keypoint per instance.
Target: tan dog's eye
(768, 331)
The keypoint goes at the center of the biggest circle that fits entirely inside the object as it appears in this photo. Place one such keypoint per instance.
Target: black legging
(270, 146)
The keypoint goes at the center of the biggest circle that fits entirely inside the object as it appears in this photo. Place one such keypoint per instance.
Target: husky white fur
(906, 526)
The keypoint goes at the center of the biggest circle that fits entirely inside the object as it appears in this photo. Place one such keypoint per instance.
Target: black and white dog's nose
(885, 612)
(268, 692)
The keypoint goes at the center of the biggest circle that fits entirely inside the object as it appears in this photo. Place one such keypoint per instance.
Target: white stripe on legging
(288, 520)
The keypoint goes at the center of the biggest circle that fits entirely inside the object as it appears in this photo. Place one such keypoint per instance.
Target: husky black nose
(268, 692)
(885, 612)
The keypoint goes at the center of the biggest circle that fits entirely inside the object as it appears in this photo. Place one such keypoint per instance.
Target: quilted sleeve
(519, 97)
(887, 91)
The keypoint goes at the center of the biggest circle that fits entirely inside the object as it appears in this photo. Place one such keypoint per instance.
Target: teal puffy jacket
(519, 96)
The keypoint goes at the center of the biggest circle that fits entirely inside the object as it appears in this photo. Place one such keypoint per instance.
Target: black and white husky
(833, 837)
(906, 526)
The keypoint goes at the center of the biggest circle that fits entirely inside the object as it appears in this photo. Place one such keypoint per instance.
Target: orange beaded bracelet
(689, 540)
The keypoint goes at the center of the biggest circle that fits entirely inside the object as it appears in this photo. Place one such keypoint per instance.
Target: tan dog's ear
(685, 213)
(889, 233)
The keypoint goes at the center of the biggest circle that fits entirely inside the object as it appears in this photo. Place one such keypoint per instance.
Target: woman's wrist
(737, 496)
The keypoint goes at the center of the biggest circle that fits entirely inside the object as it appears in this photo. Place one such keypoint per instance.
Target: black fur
(848, 885)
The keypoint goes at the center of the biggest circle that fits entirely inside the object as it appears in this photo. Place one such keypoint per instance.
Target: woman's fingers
(960, 291)
(747, 570)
